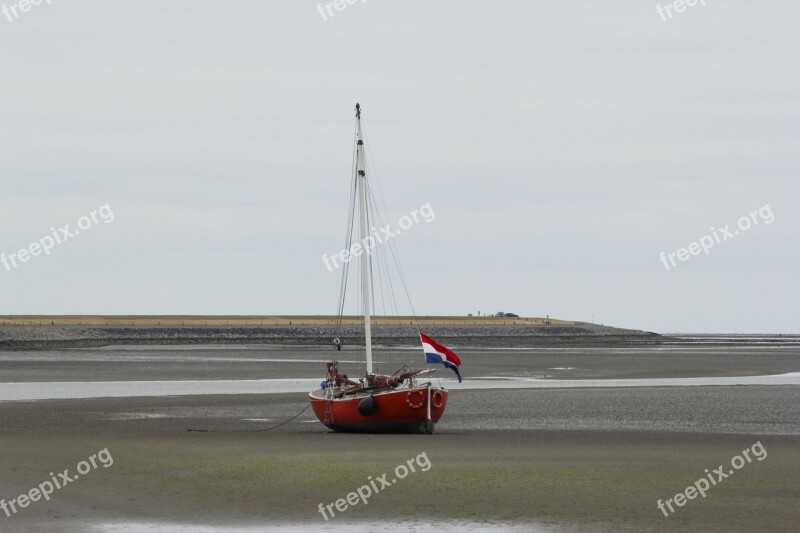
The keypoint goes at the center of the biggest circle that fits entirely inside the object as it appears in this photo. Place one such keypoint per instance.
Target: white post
(429, 401)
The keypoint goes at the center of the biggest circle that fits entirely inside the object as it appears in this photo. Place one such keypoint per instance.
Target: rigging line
(386, 312)
(383, 273)
(348, 241)
(376, 249)
(377, 179)
(391, 247)
(380, 274)
(392, 250)
(382, 221)
(405, 285)
(392, 307)
(385, 285)
(396, 259)
(385, 210)
(381, 255)
(383, 267)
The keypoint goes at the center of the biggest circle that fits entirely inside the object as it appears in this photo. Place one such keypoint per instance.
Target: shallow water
(33, 391)
(408, 526)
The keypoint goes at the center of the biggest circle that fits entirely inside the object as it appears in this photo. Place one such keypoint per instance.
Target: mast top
(358, 110)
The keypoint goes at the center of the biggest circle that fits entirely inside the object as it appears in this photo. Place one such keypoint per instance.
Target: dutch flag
(436, 353)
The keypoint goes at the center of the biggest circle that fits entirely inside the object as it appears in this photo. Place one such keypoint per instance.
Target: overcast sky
(562, 146)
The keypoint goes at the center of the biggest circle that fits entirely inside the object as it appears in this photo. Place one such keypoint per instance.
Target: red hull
(398, 411)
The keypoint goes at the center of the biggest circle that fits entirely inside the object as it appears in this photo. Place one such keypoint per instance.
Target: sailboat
(378, 403)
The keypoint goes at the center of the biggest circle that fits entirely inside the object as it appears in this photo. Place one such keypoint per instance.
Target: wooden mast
(363, 226)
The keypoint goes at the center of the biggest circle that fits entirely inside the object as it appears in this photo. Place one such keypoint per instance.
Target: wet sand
(202, 362)
(571, 459)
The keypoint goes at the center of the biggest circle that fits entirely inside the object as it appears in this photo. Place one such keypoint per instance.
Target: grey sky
(562, 145)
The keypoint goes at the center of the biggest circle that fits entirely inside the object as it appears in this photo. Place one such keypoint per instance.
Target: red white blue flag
(436, 353)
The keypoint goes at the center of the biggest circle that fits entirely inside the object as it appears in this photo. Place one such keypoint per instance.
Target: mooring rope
(250, 430)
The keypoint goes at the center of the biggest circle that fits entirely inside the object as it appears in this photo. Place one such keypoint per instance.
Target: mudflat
(237, 475)
(587, 459)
